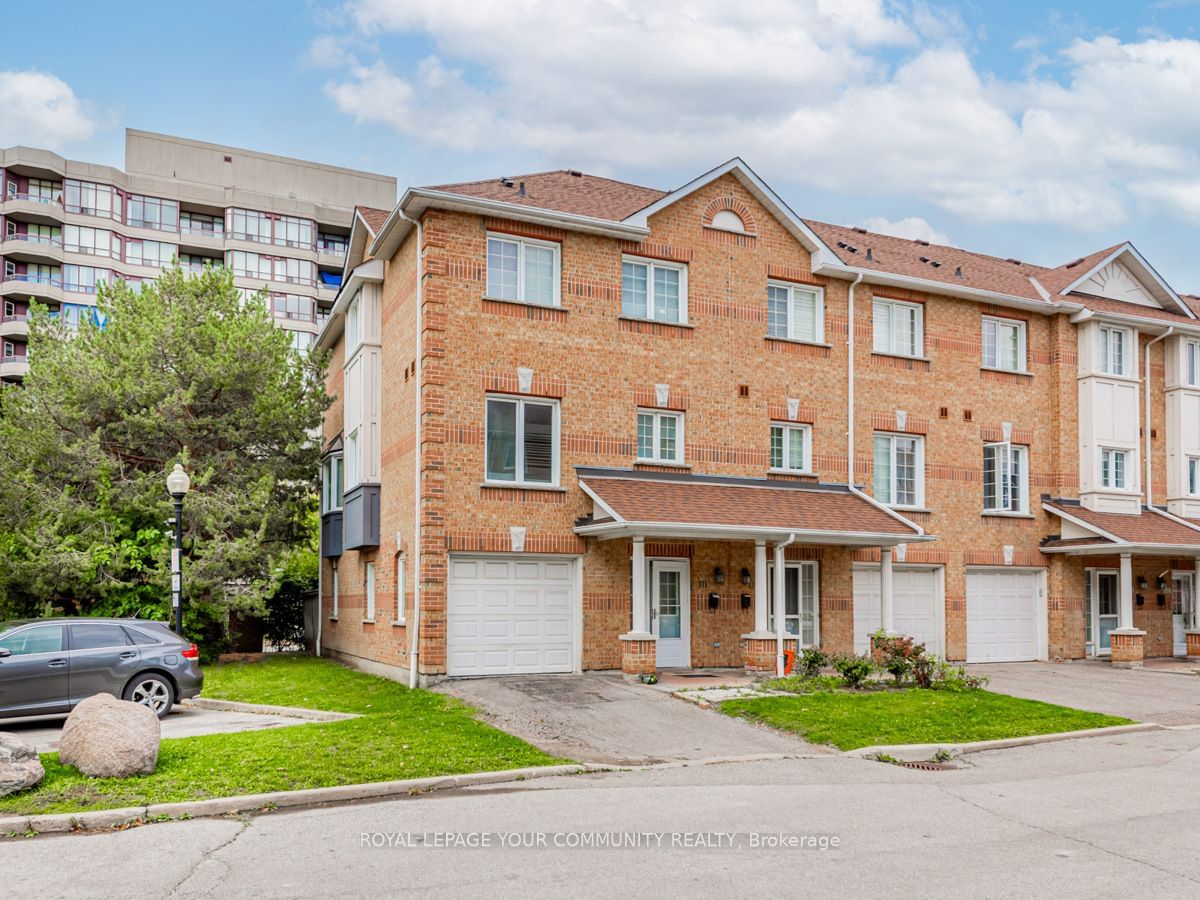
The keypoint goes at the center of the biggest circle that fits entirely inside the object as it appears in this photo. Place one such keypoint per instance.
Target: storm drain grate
(928, 766)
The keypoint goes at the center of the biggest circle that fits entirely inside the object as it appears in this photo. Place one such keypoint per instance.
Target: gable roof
(373, 218)
(1129, 257)
(565, 190)
(1150, 527)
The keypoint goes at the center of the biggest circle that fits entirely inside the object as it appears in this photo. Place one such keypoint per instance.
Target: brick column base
(1128, 648)
(758, 653)
(1193, 643)
(639, 655)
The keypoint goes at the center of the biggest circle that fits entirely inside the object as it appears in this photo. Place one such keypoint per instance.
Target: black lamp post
(178, 484)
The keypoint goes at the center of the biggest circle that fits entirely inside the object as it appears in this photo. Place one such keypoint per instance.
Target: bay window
(1114, 469)
(92, 199)
(1192, 350)
(521, 441)
(1115, 350)
(332, 481)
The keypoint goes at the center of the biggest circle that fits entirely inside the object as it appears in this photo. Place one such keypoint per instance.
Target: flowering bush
(854, 669)
(898, 655)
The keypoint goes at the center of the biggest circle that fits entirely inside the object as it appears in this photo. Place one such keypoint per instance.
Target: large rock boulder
(20, 768)
(109, 738)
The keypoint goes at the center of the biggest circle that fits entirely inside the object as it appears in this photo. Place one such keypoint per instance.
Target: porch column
(1128, 644)
(762, 589)
(780, 610)
(641, 604)
(1191, 619)
(886, 592)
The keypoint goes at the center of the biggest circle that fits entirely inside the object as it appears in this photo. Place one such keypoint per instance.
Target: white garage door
(510, 615)
(914, 612)
(1002, 616)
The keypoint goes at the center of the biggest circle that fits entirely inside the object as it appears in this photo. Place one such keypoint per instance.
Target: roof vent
(921, 242)
(521, 190)
(859, 230)
(958, 272)
(936, 264)
(870, 255)
(575, 173)
(1015, 262)
(924, 259)
(1072, 265)
(507, 182)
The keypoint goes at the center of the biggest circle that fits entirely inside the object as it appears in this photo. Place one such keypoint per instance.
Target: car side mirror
(4, 651)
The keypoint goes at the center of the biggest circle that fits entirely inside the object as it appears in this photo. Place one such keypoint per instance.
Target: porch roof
(666, 504)
(1150, 532)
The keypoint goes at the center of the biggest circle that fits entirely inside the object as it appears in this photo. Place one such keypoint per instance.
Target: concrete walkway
(183, 721)
(602, 719)
(1143, 695)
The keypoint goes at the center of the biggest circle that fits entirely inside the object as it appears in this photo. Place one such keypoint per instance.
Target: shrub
(898, 655)
(812, 661)
(936, 674)
(801, 684)
(854, 669)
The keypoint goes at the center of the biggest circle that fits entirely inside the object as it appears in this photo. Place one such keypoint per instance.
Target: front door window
(1103, 600)
(800, 604)
(1183, 609)
(669, 612)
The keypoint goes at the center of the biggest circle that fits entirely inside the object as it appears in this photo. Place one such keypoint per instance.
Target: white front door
(1101, 603)
(670, 620)
(1003, 609)
(1183, 606)
(915, 599)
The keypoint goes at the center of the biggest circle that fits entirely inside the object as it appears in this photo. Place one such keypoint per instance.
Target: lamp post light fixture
(178, 484)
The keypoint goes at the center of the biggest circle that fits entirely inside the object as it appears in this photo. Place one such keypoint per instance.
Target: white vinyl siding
(522, 270)
(796, 313)
(521, 441)
(1114, 469)
(899, 327)
(1004, 344)
(1115, 350)
(1005, 478)
(659, 437)
(654, 290)
(791, 448)
(899, 470)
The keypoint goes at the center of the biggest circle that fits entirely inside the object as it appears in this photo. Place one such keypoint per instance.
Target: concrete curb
(263, 709)
(105, 819)
(922, 752)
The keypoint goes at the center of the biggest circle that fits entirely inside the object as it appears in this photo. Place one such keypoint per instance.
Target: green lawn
(851, 720)
(402, 733)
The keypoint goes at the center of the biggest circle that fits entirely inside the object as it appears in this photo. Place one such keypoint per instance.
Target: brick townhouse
(581, 424)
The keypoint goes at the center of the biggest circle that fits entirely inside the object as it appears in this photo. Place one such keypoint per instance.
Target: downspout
(414, 655)
(1147, 487)
(320, 597)
(850, 386)
(781, 606)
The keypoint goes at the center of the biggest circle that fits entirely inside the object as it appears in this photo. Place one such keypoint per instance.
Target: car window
(95, 635)
(140, 637)
(39, 639)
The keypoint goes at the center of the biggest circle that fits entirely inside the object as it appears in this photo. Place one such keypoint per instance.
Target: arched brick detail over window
(733, 205)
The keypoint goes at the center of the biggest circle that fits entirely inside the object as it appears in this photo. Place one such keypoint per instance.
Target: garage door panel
(1002, 616)
(915, 598)
(510, 616)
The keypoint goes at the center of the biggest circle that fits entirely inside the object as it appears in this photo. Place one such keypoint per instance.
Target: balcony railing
(14, 317)
(35, 239)
(50, 280)
(113, 214)
(13, 359)
(337, 248)
(208, 231)
(294, 316)
(35, 198)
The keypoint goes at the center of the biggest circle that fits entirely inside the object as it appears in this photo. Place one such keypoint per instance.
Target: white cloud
(914, 228)
(806, 91)
(41, 110)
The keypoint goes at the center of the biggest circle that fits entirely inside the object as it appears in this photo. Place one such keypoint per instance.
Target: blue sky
(1020, 129)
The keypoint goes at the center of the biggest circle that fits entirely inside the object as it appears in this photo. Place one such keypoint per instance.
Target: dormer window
(727, 220)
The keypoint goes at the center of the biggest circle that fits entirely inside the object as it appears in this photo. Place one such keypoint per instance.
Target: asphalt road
(1106, 817)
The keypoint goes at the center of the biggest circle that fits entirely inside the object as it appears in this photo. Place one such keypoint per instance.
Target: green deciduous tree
(182, 370)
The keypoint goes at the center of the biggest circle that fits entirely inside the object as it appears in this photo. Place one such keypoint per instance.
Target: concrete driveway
(183, 721)
(601, 718)
(1140, 694)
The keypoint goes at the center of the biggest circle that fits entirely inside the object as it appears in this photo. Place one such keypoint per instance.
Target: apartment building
(582, 424)
(278, 223)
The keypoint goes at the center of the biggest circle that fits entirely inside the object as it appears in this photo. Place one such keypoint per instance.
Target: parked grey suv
(48, 666)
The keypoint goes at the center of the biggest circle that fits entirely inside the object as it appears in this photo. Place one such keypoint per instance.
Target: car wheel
(152, 690)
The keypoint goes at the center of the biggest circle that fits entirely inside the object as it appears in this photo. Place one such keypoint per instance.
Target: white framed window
(333, 578)
(1114, 469)
(654, 290)
(801, 608)
(1193, 475)
(370, 577)
(351, 457)
(659, 436)
(900, 470)
(332, 481)
(899, 327)
(401, 561)
(352, 330)
(791, 447)
(1114, 349)
(1005, 478)
(1192, 351)
(521, 441)
(1004, 344)
(523, 270)
(796, 312)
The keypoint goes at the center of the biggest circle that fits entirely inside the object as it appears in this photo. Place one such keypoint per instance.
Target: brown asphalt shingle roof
(373, 217)
(690, 502)
(564, 190)
(1145, 528)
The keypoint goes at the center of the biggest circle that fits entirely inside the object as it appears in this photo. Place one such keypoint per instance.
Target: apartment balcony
(328, 255)
(31, 248)
(35, 208)
(14, 366)
(205, 240)
(14, 326)
(39, 287)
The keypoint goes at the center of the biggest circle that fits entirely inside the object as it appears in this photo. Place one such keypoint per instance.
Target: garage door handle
(57, 663)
